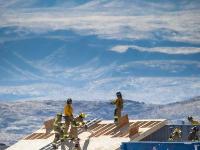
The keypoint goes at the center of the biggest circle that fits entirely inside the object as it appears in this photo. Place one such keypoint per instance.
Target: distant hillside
(21, 118)
(175, 111)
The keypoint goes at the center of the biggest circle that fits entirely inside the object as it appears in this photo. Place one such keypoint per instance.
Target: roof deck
(101, 135)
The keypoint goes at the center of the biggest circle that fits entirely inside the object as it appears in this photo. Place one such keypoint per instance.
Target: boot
(54, 146)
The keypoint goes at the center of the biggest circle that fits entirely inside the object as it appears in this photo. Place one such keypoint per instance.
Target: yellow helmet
(82, 115)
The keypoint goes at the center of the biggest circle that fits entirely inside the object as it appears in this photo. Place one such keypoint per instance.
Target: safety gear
(68, 110)
(73, 131)
(68, 115)
(54, 145)
(82, 115)
(193, 122)
(115, 119)
(63, 135)
(57, 122)
(190, 118)
(59, 114)
(195, 128)
(170, 138)
(177, 130)
(119, 106)
(77, 144)
(119, 94)
(117, 114)
(76, 123)
(193, 135)
(68, 121)
(175, 135)
(69, 101)
(57, 129)
(118, 103)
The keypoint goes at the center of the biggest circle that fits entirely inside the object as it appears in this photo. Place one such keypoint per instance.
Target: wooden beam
(133, 130)
(123, 121)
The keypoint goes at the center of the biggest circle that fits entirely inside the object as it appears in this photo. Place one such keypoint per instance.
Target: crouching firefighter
(77, 123)
(118, 107)
(175, 135)
(193, 135)
(57, 129)
(64, 134)
(192, 121)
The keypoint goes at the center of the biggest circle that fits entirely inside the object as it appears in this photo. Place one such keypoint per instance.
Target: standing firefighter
(57, 129)
(192, 121)
(119, 106)
(68, 113)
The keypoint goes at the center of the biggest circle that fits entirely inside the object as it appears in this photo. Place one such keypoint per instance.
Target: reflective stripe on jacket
(57, 125)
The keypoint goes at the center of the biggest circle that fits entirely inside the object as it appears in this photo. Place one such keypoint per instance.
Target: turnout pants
(56, 138)
(117, 114)
(73, 132)
(68, 120)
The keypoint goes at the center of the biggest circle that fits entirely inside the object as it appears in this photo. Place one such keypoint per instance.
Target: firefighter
(68, 114)
(175, 135)
(78, 122)
(192, 121)
(119, 107)
(64, 134)
(193, 135)
(170, 138)
(57, 129)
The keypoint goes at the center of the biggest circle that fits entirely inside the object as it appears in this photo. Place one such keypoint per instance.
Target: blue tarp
(160, 146)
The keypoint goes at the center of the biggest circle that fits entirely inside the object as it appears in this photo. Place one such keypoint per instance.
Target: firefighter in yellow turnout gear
(193, 135)
(68, 114)
(193, 122)
(119, 106)
(175, 135)
(64, 134)
(57, 129)
(78, 122)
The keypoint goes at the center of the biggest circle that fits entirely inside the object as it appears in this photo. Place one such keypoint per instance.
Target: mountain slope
(58, 51)
(176, 111)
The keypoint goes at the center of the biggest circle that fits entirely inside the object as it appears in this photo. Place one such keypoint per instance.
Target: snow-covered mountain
(21, 118)
(50, 54)
(53, 64)
(149, 50)
(89, 50)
